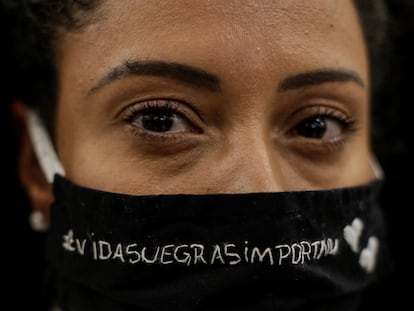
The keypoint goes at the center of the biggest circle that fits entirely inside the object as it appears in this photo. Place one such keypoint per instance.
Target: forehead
(251, 14)
(248, 35)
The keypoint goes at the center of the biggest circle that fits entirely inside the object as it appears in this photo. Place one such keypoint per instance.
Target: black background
(22, 264)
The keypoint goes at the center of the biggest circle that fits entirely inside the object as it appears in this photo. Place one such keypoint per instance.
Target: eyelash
(165, 105)
(302, 143)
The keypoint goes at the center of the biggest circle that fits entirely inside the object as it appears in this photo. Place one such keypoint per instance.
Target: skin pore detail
(218, 96)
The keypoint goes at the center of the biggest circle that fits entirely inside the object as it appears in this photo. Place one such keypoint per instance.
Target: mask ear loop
(376, 168)
(48, 161)
(43, 147)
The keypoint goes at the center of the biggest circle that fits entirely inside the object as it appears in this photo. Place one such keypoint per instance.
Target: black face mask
(307, 250)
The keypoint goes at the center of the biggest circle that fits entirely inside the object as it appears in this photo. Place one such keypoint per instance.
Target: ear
(30, 174)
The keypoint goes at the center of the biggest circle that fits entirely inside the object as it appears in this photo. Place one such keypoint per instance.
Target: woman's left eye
(321, 127)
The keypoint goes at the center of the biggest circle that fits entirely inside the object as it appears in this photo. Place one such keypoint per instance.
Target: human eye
(321, 129)
(160, 120)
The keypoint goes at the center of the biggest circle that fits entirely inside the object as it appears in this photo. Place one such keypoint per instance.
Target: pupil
(313, 127)
(157, 121)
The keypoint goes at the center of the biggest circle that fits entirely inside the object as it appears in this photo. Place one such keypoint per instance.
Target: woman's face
(190, 96)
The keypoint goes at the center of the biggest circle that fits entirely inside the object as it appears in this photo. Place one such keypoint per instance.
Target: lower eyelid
(165, 145)
(152, 136)
(163, 138)
(312, 149)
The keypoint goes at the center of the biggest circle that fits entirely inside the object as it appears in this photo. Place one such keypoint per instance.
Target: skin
(239, 137)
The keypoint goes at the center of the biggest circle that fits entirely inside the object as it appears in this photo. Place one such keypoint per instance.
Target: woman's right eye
(161, 121)
(158, 118)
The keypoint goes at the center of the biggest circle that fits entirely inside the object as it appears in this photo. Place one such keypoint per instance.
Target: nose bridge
(251, 166)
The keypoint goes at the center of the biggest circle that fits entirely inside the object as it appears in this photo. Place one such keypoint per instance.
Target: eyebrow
(183, 73)
(318, 77)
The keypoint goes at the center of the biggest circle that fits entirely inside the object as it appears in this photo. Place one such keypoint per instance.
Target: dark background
(21, 257)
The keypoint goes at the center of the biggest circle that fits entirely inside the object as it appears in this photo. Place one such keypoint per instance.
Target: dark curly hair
(39, 22)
